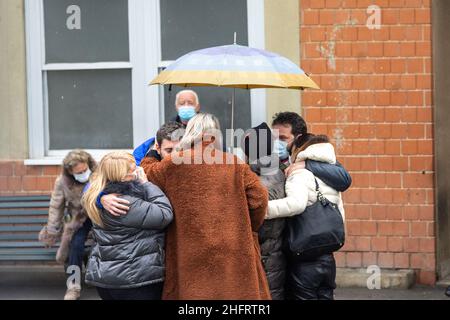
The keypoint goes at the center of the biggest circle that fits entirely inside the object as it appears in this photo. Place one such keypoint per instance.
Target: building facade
(64, 81)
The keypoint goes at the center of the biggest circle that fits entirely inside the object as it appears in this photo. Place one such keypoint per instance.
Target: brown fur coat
(212, 249)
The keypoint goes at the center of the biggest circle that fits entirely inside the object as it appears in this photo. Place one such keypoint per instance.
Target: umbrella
(235, 66)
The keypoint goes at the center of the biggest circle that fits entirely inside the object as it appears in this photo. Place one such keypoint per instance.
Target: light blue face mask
(280, 148)
(186, 113)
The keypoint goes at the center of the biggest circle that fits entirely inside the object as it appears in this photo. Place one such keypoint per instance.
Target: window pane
(90, 109)
(86, 30)
(196, 24)
(217, 101)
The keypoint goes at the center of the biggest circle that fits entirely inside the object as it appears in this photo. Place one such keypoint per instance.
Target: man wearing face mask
(187, 105)
(292, 129)
(67, 219)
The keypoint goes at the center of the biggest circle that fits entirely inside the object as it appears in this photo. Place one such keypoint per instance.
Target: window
(89, 63)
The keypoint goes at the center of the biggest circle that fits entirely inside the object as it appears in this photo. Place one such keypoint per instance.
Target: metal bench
(21, 219)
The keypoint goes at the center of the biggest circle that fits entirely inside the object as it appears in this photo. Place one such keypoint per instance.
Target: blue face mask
(280, 149)
(186, 113)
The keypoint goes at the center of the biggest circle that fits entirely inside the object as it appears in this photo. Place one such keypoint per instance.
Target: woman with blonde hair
(212, 246)
(127, 261)
(67, 220)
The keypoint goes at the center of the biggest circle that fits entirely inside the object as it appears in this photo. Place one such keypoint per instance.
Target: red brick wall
(18, 179)
(376, 104)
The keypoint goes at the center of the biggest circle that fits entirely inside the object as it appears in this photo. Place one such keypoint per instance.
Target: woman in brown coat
(212, 249)
(67, 219)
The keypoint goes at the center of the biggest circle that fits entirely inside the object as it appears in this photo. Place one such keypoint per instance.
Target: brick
(33, 170)
(427, 245)
(383, 196)
(6, 169)
(362, 244)
(422, 16)
(386, 260)
(425, 147)
(400, 228)
(406, 16)
(423, 49)
(401, 260)
(418, 180)
(19, 169)
(392, 147)
(411, 212)
(411, 244)
(44, 183)
(385, 228)
(361, 180)
(51, 170)
(353, 228)
(427, 277)
(340, 258)
(417, 196)
(310, 17)
(426, 212)
(354, 259)
(353, 195)
(395, 244)
(400, 196)
(369, 259)
(368, 228)
(409, 147)
(379, 212)
(14, 183)
(29, 183)
(394, 180)
(409, 115)
(415, 65)
(368, 164)
(400, 164)
(3, 183)
(384, 164)
(326, 17)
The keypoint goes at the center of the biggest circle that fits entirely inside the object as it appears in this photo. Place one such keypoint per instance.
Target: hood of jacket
(323, 152)
(129, 188)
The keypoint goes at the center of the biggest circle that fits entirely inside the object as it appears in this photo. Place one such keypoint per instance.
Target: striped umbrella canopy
(235, 66)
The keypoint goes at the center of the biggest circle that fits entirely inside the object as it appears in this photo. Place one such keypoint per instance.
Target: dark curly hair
(166, 131)
(293, 119)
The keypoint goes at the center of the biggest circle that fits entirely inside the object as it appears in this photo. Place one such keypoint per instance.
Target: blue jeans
(76, 251)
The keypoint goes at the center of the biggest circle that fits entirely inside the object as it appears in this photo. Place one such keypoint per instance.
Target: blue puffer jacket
(140, 152)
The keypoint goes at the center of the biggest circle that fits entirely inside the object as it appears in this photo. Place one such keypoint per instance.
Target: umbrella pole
(230, 149)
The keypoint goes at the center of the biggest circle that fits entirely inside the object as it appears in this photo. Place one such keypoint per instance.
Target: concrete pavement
(49, 284)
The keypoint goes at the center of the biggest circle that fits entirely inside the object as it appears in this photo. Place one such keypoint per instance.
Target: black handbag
(317, 231)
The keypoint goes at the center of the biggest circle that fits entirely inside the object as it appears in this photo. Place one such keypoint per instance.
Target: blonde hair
(196, 128)
(112, 168)
(75, 157)
(197, 102)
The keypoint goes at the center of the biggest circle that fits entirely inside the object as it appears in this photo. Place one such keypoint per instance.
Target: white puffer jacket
(301, 187)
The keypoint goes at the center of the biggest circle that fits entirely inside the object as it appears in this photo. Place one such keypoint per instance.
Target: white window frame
(145, 59)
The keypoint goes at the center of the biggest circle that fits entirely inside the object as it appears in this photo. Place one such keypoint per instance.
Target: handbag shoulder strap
(320, 196)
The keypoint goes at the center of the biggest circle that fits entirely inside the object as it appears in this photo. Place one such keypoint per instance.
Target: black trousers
(150, 292)
(311, 280)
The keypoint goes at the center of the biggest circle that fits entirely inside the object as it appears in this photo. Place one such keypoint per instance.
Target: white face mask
(83, 177)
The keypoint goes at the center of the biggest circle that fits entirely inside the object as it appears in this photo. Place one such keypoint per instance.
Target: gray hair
(187, 91)
(199, 125)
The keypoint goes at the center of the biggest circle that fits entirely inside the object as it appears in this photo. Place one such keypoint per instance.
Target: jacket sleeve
(296, 198)
(257, 198)
(154, 212)
(56, 209)
(155, 170)
(334, 175)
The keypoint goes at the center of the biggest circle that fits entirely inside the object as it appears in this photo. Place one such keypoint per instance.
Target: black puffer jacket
(271, 232)
(129, 250)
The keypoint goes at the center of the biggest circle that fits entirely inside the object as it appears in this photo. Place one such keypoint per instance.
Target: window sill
(48, 161)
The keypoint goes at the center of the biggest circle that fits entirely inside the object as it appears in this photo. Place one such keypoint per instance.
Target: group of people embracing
(169, 223)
